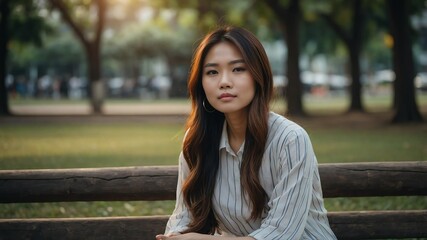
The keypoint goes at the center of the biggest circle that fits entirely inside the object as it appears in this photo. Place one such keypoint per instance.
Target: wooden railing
(159, 183)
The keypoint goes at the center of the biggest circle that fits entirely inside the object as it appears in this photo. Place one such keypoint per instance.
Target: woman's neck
(236, 129)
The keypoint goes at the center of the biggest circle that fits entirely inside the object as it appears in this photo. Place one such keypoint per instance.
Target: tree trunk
(92, 48)
(293, 90)
(289, 20)
(356, 86)
(96, 86)
(353, 41)
(354, 47)
(405, 103)
(4, 39)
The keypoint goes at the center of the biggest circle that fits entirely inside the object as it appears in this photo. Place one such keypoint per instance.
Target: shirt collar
(224, 144)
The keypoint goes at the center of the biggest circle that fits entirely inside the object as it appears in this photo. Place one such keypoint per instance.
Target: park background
(103, 84)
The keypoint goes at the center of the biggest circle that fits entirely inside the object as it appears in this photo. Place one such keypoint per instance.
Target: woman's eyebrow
(230, 63)
(211, 65)
(236, 61)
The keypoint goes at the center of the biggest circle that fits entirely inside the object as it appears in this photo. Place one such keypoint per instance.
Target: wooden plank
(379, 224)
(118, 228)
(159, 183)
(346, 225)
(89, 184)
(374, 179)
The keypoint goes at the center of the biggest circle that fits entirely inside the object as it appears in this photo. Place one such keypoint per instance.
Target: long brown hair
(201, 144)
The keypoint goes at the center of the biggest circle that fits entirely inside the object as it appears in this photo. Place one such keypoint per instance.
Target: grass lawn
(70, 144)
(81, 145)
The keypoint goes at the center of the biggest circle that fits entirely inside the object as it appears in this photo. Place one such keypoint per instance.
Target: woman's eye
(211, 72)
(239, 69)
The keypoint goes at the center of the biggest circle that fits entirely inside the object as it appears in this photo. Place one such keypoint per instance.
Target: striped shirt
(289, 176)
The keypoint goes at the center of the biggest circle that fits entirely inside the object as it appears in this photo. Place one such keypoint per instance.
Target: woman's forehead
(223, 51)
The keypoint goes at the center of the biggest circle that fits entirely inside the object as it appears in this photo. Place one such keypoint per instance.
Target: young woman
(244, 172)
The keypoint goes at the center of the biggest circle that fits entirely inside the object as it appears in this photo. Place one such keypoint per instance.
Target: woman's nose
(225, 81)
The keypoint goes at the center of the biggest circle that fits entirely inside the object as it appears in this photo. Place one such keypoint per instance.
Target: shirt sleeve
(291, 197)
(180, 217)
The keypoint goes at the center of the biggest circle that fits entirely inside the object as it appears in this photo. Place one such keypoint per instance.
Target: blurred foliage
(83, 13)
(27, 23)
(137, 30)
(60, 50)
(27, 28)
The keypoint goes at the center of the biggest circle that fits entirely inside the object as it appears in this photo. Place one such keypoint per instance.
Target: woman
(244, 172)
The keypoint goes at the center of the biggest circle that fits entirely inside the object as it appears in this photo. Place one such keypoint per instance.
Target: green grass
(86, 209)
(80, 144)
(370, 145)
(61, 145)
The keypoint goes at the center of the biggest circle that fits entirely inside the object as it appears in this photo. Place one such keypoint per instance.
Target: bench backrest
(159, 183)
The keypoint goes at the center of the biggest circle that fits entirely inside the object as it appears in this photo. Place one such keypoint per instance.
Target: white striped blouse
(289, 176)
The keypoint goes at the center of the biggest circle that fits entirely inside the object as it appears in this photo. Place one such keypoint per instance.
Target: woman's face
(227, 82)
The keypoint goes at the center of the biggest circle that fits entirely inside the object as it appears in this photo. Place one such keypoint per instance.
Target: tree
(21, 17)
(161, 39)
(352, 39)
(403, 63)
(289, 17)
(4, 23)
(91, 45)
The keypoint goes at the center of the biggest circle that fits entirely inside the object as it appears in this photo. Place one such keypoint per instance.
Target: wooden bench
(159, 183)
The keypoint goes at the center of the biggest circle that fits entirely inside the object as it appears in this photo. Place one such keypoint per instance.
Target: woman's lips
(226, 96)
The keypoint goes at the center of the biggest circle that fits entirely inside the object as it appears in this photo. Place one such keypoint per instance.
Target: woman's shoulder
(276, 120)
(281, 126)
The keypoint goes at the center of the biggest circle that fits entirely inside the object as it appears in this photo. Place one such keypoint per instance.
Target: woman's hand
(161, 237)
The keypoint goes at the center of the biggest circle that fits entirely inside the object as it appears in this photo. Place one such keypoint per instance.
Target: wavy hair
(201, 144)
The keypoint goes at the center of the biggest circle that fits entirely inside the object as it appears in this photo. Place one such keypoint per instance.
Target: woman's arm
(291, 197)
(180, 217)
